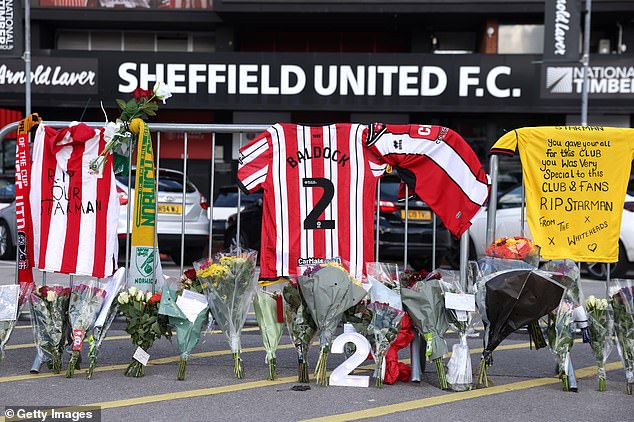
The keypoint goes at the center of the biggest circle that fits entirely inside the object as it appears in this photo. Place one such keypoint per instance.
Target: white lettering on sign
(47, 76)
(7, 25)
(323, 80)
(562, 21)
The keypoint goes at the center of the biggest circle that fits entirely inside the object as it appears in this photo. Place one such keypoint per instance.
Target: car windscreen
(168, 182)
(229, 199)
(7, 190)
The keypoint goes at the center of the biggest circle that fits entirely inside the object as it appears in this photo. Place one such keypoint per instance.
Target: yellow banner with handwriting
(576, 179)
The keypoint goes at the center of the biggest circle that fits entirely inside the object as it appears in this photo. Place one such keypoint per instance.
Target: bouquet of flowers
(622, 297)
(269, 314)
(329, 290)
(517, 247)
(108, 312)
(424, 302)
(142, 105)
(561, 321)
(459, 375)
(186, 308)
(508, 299)
(601, 331)
(12, 299)
(300, 324)
(144, 324)
(561, 338)
(229, 283)
(49, 313)
(84, 306)
(382, 331)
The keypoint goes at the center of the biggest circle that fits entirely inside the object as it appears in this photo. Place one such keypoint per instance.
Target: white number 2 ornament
(341, 375)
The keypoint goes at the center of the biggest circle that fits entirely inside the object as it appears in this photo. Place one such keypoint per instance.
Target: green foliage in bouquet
(144, 324)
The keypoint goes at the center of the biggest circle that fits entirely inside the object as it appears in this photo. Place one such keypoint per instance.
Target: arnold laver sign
(51, 75)
(10, 28)
(320, 80)
(561, 30)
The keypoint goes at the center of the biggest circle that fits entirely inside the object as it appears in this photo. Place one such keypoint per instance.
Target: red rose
(190, 274)
(43, 291)
(156, 298)
(140, 93)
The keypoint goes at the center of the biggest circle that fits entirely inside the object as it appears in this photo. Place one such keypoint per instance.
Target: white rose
(132, 291)
(140, 296)
(161, 91)
(591, 301)
(148, 295)
(50, 295)
(123, 298)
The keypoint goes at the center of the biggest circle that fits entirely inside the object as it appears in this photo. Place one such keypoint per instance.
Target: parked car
(508, 223)
(169, 219)
(391, 228)
(7, 190)
(7, 232)
(226, 204)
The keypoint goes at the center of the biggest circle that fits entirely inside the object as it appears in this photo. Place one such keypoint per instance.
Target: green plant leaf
(121, 104)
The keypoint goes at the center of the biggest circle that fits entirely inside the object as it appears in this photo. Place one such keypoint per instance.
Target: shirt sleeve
(253, 163)
(506, 145)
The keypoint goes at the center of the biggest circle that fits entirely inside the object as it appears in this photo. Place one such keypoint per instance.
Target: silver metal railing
(240, 129)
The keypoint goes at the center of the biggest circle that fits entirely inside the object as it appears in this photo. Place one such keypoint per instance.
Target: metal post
(378, 216)
(523, 209)
(211, 193)
(405, 239)
(183, 203)
(155, 251)
(27, 56)
(464, 257)
(492, 205)
(238, 245)
(586, 64)
(128, 216)
(433, 242)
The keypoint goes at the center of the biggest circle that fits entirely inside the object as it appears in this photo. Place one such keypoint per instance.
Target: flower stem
(565, 382)
(629, 389)
(272, 376)
(56, 361)
(182, 366)
(320, 369)
(302, 369)
(73, 364)
(237, 365)
(483, 378)
(135, 369)
(602, 375)
(379, 371)
(442, 375)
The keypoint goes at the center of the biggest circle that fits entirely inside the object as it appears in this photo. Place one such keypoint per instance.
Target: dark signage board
(51, 75)
(561, 30)
(325, 81)
(11, 28)
(611, 78)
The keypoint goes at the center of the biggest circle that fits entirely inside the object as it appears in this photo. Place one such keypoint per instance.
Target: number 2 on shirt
(312, 221)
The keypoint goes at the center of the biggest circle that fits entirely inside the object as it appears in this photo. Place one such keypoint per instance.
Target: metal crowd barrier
(240, 129)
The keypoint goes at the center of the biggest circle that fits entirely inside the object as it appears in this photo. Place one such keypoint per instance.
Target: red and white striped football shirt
(319, 192)
(439, 165)
(75, 211)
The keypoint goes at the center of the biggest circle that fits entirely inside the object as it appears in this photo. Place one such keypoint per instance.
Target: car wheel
(600, 271)
(6, 245)
(230, 239)
(190, 255)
